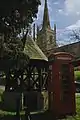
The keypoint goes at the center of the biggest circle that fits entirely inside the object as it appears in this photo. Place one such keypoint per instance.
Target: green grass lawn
(77, 117)
(78, 107)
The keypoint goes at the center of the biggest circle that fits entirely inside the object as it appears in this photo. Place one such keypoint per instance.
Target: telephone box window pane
(65, 82)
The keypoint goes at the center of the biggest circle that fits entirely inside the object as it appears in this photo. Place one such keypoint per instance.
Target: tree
(15, 17)
(17, 14)
(75, 35)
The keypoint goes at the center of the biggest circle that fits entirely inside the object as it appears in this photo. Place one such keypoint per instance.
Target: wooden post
(18, 109)
(27, 113)
(7, 86)
(40, 78)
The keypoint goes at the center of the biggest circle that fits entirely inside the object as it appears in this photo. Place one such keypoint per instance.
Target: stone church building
(46, 38)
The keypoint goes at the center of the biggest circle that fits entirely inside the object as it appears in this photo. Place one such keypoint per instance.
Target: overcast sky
(65, 13)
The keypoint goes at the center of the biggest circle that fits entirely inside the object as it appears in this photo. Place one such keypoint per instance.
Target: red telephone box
(61, 84)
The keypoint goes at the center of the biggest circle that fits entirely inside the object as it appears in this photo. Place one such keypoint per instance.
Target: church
(46, 38)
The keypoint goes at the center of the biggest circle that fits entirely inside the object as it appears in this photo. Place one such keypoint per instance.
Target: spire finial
(45, 2)
(46, 22)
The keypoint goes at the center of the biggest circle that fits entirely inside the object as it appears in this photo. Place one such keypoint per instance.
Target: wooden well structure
(31, 80)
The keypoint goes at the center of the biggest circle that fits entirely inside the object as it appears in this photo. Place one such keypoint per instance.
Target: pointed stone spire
(46, 22)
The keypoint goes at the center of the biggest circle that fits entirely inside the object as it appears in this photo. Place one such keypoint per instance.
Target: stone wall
(33, 100)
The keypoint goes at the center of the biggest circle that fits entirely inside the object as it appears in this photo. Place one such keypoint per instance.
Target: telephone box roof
(33, 51)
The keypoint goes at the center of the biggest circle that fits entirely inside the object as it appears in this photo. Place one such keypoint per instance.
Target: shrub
(77, 75)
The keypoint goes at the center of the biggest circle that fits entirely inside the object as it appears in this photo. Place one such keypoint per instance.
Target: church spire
(46, 22)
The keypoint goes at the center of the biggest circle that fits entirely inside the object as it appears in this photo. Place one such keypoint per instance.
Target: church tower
(46, 37)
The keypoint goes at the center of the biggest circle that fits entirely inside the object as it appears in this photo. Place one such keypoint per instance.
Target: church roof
(73, 48)
(33, 51)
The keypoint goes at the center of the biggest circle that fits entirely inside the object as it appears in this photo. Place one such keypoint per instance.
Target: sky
(66, 15)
